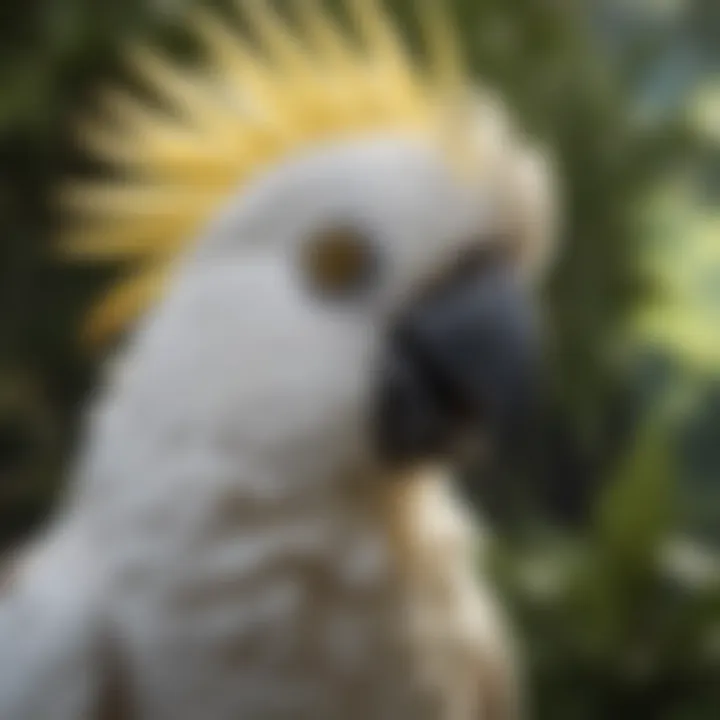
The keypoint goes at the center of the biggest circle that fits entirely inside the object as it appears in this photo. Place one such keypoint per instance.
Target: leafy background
(607, 550)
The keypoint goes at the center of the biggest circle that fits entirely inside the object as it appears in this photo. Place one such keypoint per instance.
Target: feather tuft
(250, 106)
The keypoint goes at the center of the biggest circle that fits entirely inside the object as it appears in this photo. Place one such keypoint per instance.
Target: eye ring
(339, 262)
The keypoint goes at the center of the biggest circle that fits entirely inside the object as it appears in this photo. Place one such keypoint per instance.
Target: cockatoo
(337, 250)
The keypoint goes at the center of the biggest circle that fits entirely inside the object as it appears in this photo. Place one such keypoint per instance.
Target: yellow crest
(247, 108)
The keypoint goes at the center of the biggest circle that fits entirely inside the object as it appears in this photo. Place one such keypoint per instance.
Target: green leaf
(638, 510)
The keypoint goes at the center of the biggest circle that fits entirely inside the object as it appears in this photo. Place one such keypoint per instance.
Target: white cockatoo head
(347, 247)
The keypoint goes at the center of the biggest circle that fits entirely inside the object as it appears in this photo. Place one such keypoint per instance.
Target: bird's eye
(339, 262)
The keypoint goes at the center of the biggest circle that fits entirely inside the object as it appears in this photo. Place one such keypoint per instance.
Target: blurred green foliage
(626, 618)
(620, 610)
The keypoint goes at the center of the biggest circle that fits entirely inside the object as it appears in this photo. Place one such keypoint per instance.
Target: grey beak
(462, 361)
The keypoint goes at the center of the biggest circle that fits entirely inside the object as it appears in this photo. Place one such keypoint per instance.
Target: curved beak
(461, 369)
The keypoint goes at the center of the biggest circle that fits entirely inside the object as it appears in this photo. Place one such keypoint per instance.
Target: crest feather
(128, 299)
(256, 101)
(279, 44)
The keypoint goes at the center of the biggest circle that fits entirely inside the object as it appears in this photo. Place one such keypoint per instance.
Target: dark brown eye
(339, 262)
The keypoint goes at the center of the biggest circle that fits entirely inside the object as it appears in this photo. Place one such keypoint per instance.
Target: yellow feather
(123, 201)
(162, 154)
(455, 119)
(394, 76)
(123, 304)
(167, 160)
(342, 94)
(195, 98)
(245, 77)
(133, 115)
(328, 45)
(150, 236)
(245, 110)
(378, 34)
(280, 45)
(446, 63)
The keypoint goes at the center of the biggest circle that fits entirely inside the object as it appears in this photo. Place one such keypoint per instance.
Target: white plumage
(231, 547)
